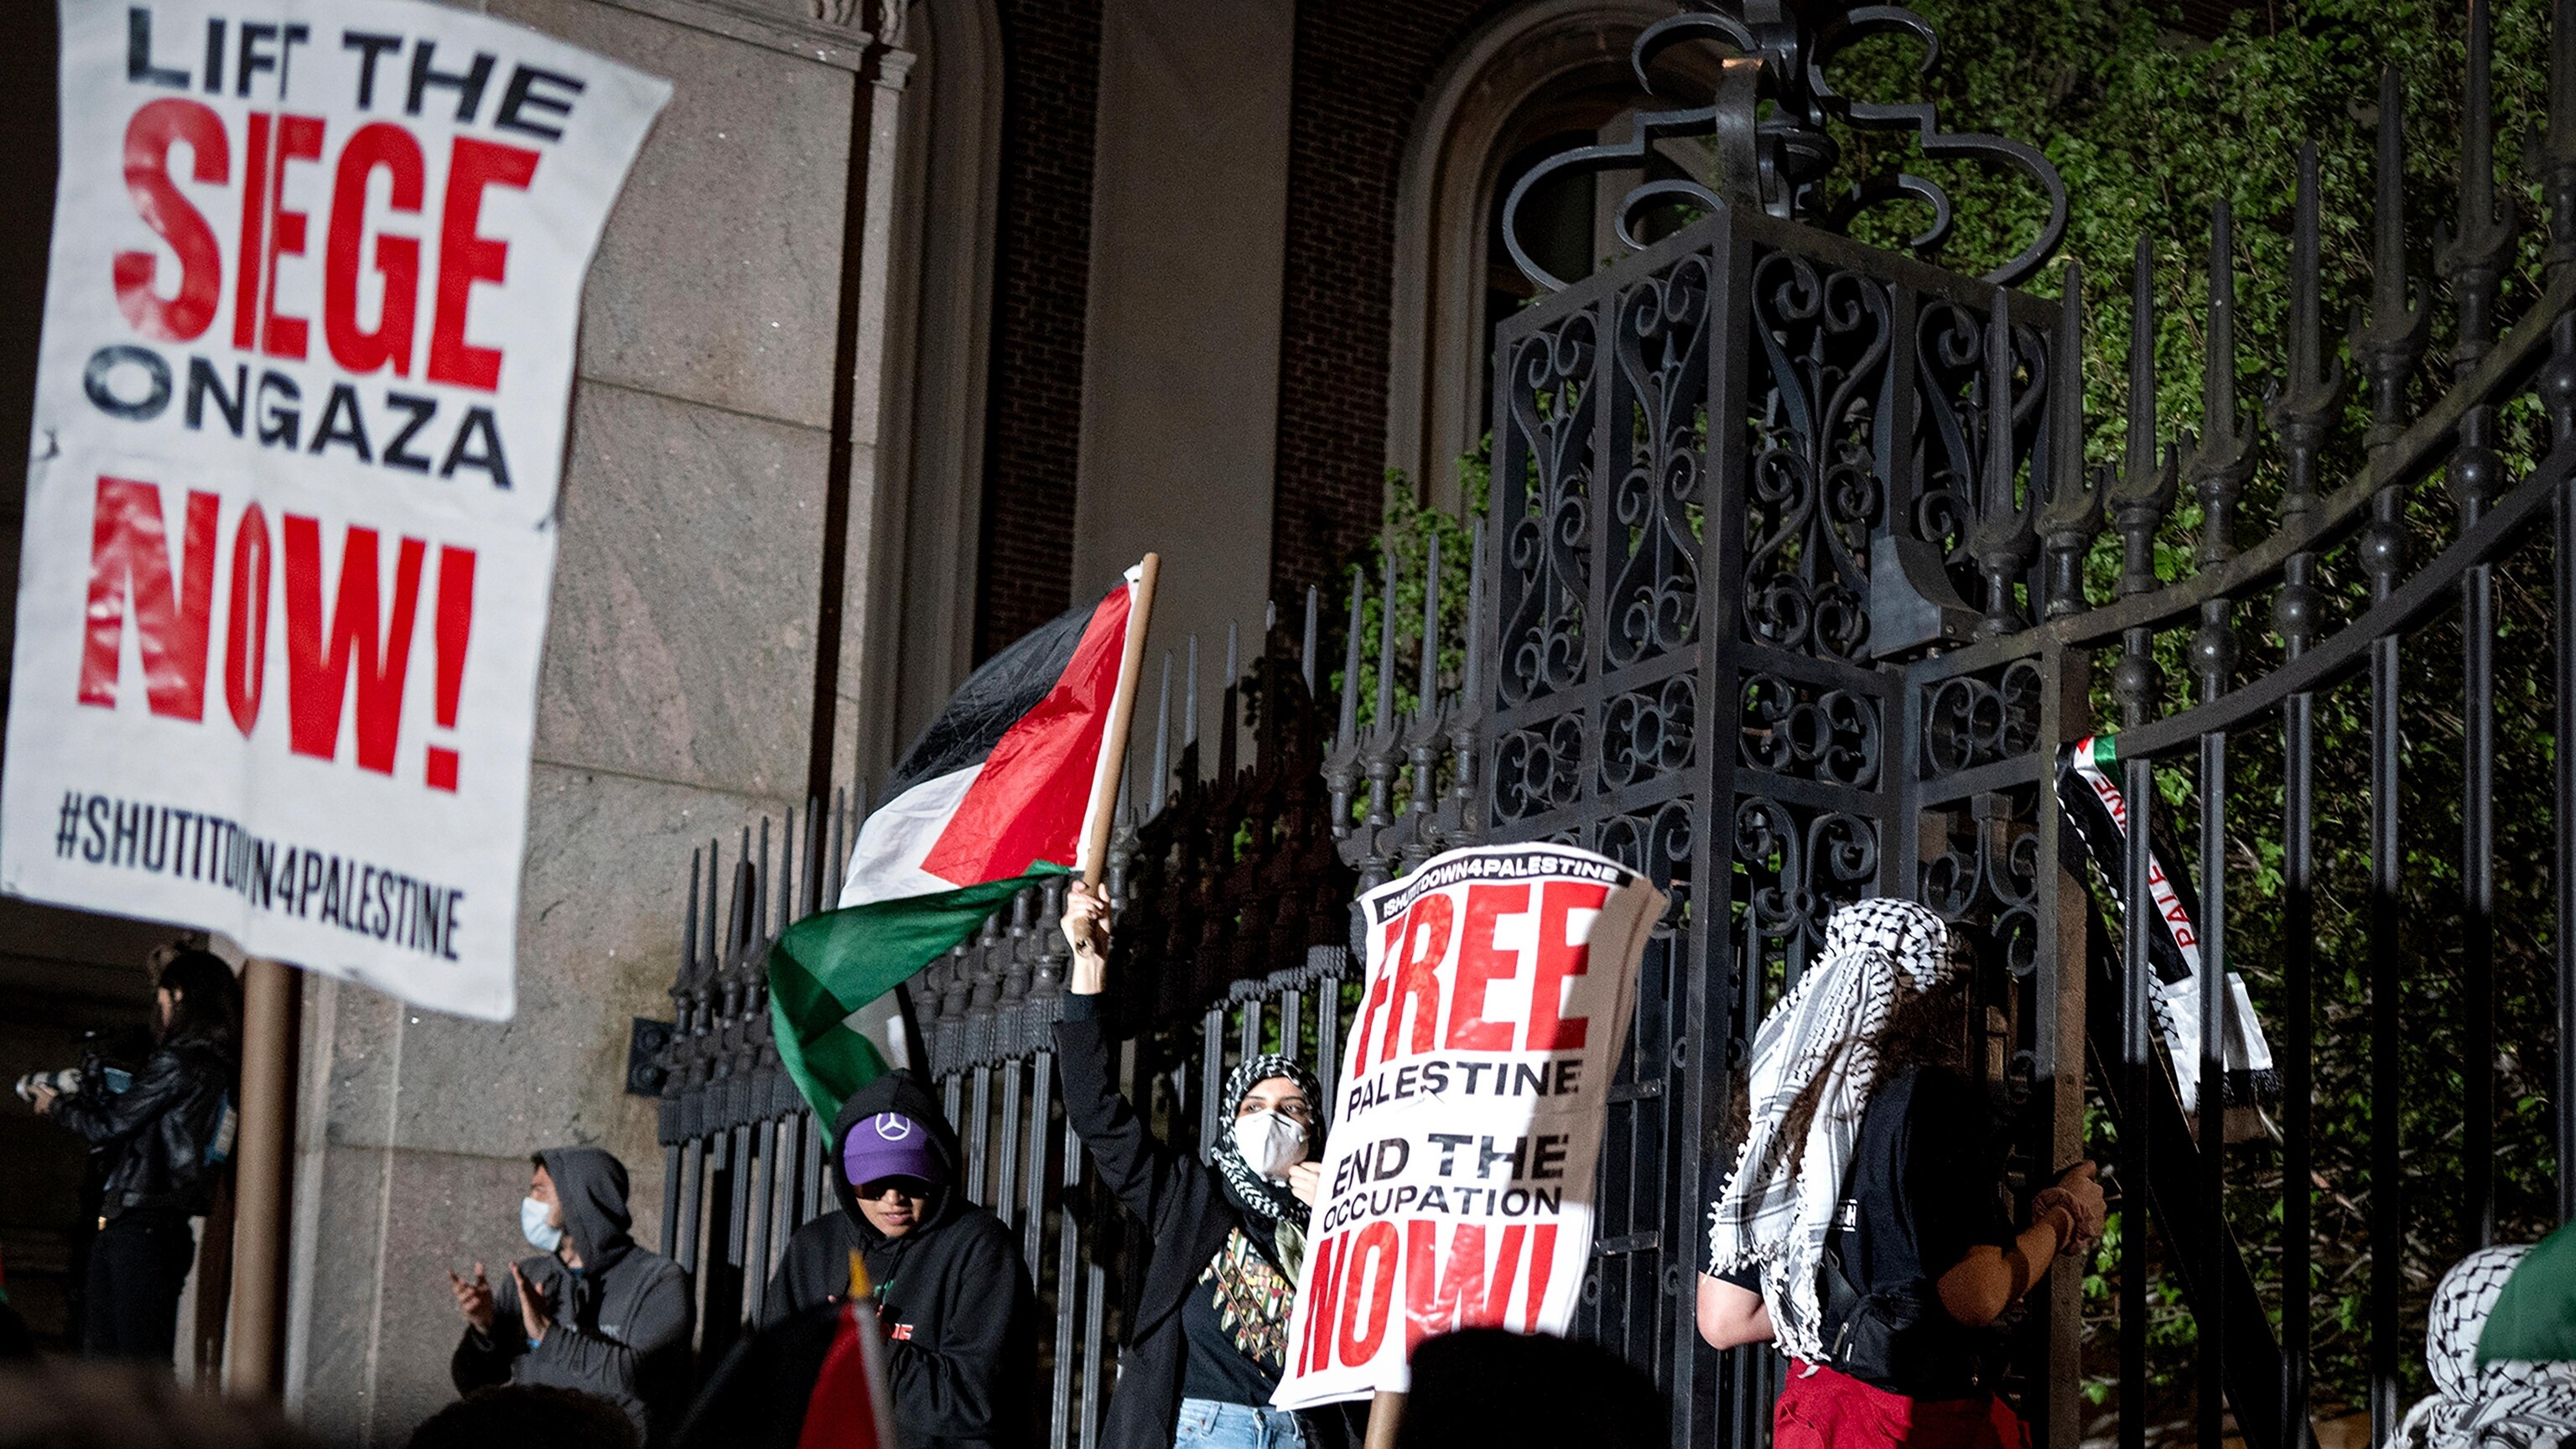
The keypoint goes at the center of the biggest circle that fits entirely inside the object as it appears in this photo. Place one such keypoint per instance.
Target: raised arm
(1145, 1174)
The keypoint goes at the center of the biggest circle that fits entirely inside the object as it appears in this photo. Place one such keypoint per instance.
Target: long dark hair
(1925, 1029)
(208, 1012)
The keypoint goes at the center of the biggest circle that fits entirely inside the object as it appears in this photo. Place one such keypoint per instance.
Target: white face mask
(1270, 1143)
(541, 1235)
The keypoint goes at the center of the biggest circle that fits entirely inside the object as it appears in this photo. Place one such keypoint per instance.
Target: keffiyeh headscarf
(2507, 1404)
(1255, 1272)
(1777, 1208)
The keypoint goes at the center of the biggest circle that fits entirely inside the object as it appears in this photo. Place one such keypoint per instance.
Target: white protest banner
(299, 426)
(1458, 1173)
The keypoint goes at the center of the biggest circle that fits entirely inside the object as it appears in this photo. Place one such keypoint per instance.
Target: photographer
(159, 1139)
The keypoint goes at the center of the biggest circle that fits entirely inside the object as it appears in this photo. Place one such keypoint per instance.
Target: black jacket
(622, 1324)
(1186, 1212)
(160, 1130)
(959, 1314)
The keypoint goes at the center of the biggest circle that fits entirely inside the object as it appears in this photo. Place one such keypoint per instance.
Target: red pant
(1822, 1409)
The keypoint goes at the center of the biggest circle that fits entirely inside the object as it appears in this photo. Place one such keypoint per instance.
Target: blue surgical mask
(541, 1235)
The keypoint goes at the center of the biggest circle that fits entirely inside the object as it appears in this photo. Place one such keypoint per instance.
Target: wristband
(2066, 1234)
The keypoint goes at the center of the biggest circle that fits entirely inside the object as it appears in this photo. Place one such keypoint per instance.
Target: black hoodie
(955, 1300)
(622, 1323)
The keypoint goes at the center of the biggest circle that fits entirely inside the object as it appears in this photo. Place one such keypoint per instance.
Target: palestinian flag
(1001, 790)
(815, 1379)
(849, 1407)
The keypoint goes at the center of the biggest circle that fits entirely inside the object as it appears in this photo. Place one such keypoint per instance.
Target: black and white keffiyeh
(1266, 1202)
(1776, 1209)
(2508, 1404)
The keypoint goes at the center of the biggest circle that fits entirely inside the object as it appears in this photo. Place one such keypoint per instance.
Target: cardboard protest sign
(1458, 1175)
(299, 426)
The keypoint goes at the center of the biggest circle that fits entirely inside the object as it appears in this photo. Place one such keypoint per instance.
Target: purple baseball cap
(890, 1144)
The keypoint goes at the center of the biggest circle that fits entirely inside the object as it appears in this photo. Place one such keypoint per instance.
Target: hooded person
(2482, 1402)
(1208, 1338)
(951, 1291)
(592, 1311)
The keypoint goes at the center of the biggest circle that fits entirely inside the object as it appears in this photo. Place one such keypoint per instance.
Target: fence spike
(1430, 686)
(2222, 458)
(1386, 654)
(1469, 672)
(1190, 699)
(689, 931)
(2486, 220)
(786, 892)
(2073, 513)
(2471, 262)
(760, 886)
(2558, 164)
(715, 888)
(1306, 654)
(1162, 776)
(741, 926)
(1229, 696)
(2388, 341)
(2001, 536)
(815, 867)
(840, 859)
(2144, 489)
(1348, 725)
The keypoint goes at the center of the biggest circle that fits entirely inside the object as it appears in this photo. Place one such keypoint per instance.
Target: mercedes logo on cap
(892, 1126)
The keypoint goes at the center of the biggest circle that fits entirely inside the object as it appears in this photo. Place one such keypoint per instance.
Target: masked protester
(162, 1138)
(1209, 1338)
(1864, 1228)
(592, 1311)
(960, 1317)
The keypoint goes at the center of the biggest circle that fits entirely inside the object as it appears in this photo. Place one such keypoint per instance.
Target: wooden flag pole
(1385, 1420)
(1113, 745)
(263, 1171)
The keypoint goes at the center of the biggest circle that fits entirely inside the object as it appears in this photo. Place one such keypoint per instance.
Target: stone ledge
(815, 40)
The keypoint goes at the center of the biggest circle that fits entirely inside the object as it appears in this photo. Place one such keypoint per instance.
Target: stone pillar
(675, 702)
(862, 742)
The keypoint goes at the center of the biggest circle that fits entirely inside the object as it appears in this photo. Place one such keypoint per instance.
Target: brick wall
(1042, 272)
(1362, 69)
(1360, 73)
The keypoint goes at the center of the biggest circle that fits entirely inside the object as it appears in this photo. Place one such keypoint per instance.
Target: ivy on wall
(2149, 127)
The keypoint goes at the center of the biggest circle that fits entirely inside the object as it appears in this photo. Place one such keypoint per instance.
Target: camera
(98, 1075)
(64, 1083)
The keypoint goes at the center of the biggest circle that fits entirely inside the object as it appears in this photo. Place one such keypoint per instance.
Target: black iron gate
(1782, 598)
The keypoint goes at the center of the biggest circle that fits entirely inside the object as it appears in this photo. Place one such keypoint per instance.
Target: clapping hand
(533, 1316)
(473, 1299)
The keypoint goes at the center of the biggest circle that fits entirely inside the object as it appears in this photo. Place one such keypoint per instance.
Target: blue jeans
(1207, 1424)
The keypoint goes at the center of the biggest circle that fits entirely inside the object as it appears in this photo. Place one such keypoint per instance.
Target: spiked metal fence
(1782, 599)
